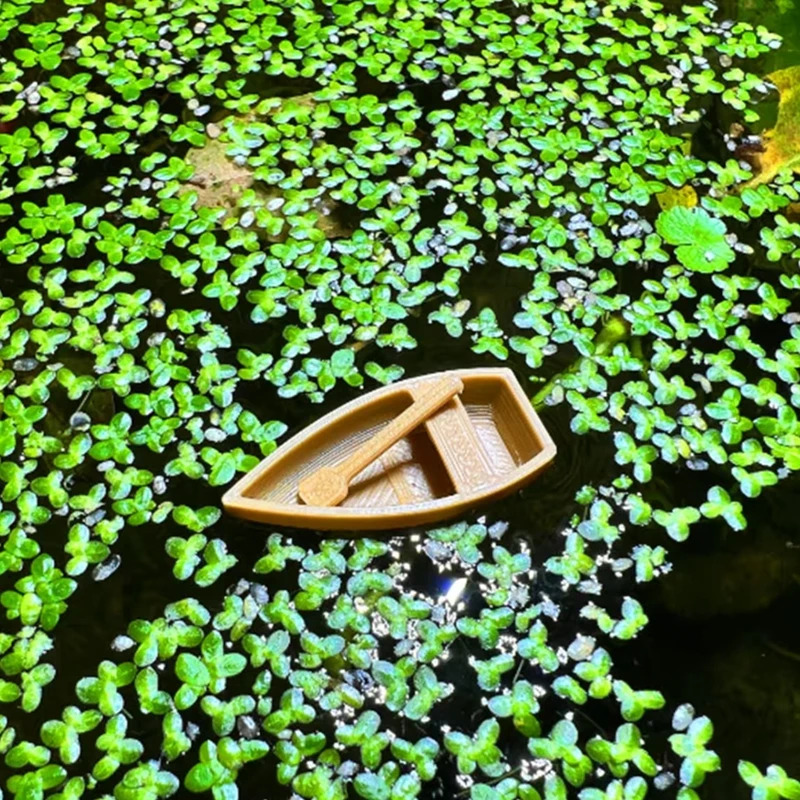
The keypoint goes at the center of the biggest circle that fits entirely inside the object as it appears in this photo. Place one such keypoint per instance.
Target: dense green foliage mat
(212, 213)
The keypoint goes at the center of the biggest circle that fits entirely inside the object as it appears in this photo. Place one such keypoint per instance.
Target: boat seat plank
(461, 450)
(393, 461)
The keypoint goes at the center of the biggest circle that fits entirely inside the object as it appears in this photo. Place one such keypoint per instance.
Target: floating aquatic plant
(186, 240)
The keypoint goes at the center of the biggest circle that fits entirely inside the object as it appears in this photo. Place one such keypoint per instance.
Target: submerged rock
(228, 182)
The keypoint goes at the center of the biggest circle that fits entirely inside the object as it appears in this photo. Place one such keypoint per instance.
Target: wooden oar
(328, 486)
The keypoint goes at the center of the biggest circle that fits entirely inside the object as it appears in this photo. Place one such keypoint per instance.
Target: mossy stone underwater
(215, 215)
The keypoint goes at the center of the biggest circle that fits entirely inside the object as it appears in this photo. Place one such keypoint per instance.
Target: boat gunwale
(400, 516)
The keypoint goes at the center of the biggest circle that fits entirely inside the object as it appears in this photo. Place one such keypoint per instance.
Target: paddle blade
(326, 487)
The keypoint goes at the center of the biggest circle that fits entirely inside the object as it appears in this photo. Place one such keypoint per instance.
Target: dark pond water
(723, 632)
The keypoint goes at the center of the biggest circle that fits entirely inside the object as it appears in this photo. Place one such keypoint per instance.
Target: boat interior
(477, 439)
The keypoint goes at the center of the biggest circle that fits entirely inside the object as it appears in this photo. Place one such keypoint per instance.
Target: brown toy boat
(415, 452)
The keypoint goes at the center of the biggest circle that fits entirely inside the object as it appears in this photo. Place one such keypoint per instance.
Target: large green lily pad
(699, 238)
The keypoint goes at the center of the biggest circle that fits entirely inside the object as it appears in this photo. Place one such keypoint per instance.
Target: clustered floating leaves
(198, 204)
(384, 652)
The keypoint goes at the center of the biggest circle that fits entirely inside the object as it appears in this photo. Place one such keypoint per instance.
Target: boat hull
(483, 445)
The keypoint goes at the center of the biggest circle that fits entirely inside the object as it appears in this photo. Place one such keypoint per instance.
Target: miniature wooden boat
(418, 451)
